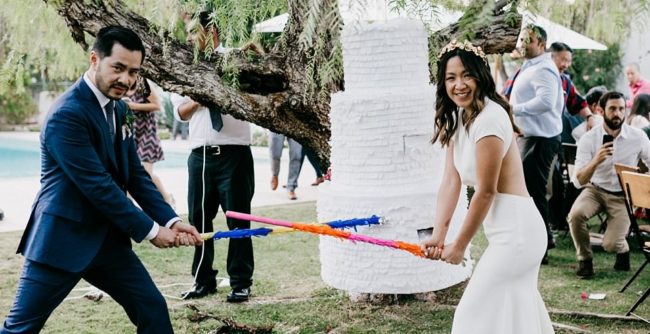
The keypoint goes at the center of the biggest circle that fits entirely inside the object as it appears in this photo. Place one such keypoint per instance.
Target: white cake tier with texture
(385, 55)
(383, 141)
(367, 268)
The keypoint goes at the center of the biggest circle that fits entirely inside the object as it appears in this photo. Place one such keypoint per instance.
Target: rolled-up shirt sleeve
(177, 101)
(546, 86)
(584, 154)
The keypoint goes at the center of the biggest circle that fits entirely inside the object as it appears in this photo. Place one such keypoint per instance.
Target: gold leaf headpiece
(465, 45)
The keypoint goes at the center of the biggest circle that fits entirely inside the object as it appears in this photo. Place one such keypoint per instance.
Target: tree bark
(272, 89)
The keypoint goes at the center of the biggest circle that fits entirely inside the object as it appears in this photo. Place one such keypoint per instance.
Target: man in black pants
(220, 173)
(537, 102)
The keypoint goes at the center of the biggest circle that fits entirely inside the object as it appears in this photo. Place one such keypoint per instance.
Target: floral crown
(465, 45)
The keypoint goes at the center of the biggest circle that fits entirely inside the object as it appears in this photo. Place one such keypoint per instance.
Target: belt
(615, 193)
(216, 149)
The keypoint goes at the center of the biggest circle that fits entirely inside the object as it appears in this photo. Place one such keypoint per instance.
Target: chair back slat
(638, 186)
(620, 168)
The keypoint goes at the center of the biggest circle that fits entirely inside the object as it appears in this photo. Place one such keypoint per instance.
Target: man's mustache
(119, 85)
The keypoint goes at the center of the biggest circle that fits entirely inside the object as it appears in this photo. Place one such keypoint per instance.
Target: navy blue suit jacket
(84, 179)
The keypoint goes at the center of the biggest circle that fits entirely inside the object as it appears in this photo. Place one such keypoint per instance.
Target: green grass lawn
(289, 295)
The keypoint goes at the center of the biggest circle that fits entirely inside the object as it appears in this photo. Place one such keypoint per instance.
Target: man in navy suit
(82, 220)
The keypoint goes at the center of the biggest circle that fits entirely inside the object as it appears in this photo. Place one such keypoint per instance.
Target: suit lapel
(97, 113)
(121, 142)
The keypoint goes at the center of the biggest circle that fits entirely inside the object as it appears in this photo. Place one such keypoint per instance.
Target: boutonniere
(127, 125)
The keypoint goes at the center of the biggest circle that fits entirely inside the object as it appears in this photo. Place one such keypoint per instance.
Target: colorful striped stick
(328, 230)
(260, 232)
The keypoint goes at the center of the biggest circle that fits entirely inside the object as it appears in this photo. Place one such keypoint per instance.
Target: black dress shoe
(585, 269)
(238, 295)
(622, 262)
(199, 291)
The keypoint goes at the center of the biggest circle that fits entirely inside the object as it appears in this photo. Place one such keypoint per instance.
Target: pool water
(21, 158)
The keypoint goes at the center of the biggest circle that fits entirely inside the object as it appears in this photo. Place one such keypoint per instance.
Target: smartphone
(607, 139)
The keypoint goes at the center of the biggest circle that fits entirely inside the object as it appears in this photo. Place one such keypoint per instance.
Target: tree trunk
(273, 88)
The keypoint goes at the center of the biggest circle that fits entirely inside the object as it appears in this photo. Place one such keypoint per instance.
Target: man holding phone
(598, 151)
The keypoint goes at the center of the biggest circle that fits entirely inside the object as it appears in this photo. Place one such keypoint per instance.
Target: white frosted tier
(385, 55)
(367, 268)
(383, 141)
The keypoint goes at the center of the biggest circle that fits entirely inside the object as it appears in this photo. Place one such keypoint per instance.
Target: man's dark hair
(206, 21)
(612, 95)
(559, 47)
(539, 32)
(594, 94)
(108, 36)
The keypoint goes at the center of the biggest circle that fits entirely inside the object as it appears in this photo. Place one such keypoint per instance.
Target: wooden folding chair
(620, 168)
(637, 194)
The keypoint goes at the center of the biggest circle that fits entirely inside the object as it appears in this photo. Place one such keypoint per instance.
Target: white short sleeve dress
(502, 295)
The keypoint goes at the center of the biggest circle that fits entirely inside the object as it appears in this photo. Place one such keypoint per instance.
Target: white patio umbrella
(274, 24)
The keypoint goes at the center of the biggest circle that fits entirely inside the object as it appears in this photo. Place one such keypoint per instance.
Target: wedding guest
(638, 85)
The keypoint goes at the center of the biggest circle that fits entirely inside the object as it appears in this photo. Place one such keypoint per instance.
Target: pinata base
(367, 268)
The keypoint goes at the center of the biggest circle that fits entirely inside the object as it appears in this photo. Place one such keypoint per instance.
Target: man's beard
(614, 126)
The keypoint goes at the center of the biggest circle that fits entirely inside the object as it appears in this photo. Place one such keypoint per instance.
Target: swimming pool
(21, 158)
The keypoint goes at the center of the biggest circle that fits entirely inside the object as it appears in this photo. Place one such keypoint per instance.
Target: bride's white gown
(502, 295)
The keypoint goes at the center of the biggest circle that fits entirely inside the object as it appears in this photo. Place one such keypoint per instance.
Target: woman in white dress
(475, 124)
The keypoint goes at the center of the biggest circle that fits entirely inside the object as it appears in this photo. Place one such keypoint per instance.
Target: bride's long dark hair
(446, 119)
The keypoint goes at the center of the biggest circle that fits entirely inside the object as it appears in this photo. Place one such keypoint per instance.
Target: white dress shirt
(630, 146)
(537, 99)
(234, 131)
(103, 101)
(101, 98)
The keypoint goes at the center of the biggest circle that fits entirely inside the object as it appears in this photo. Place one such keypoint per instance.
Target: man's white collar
(101, 98)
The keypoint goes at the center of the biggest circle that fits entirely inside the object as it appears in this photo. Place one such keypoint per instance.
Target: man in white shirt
(598, 151)
(220, 173)
(537, 102)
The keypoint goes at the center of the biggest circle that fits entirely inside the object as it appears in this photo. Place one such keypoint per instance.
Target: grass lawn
(289, 295)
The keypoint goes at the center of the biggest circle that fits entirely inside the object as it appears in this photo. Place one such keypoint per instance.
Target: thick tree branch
(497, 37)
(278, 90)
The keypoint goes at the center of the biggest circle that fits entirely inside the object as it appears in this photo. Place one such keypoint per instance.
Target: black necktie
(110, 119)
(215, 117)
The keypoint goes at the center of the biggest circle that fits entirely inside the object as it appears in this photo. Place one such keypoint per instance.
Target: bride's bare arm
(445, 206)
(489, 153)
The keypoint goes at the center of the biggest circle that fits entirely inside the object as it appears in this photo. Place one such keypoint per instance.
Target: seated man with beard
(598, 151)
